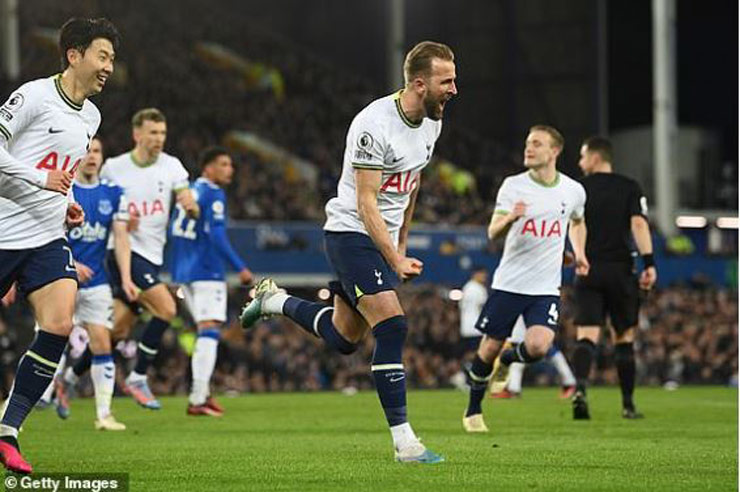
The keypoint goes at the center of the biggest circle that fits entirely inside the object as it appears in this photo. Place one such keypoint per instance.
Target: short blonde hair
(419, 59)
(147, 114)
(556, 137)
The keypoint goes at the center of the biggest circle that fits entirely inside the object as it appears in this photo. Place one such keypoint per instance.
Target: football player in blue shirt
(198, 250)
(106, 211)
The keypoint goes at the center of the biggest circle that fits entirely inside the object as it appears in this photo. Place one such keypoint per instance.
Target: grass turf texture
(329, 441)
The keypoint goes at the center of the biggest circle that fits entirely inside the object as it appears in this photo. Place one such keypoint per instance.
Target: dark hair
(601, 145)
(79, 33)
(147, 114)
(209, 154)
(556, 137)
(419, 59)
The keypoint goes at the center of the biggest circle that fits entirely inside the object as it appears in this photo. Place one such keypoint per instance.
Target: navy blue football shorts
(144, 274)
(36, 267)
(502, 308)
(358, 265)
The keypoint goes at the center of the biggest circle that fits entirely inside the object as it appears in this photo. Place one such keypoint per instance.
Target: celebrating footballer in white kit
(535, 209)
(149, 178)
(388, 144)
(46, 126)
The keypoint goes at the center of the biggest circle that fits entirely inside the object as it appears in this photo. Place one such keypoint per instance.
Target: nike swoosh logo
(398, 160)
(43, 374)
(52, 130)
(396, 379)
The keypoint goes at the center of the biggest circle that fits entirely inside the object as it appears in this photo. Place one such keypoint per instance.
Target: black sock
(624, 358)
(517, 353)
(83, 363)
(149, 344)
(478, 375)
(387, 368)
(583, 356)
(315, 319)
(35, 373)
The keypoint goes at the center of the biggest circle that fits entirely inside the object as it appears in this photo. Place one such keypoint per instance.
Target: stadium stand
(214, 79)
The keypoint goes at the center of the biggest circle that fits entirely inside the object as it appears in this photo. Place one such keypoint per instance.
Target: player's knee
(100, 345)
(380, 307)
(488, 349)
(537, 349)
(167, 311)
(58, 326)
(626, 336)
(352, 328)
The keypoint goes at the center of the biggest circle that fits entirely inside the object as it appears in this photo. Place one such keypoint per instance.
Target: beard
(432, 108)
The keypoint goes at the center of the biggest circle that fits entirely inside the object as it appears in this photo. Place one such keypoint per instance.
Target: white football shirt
(381, 137)
(533, 251)
(474, 296)
(44, 130)
(148, 190)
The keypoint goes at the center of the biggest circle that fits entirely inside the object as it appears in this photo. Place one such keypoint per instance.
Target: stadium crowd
(686, 336)
(205, 97)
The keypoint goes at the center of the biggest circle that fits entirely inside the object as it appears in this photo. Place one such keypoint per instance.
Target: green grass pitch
(329, 441)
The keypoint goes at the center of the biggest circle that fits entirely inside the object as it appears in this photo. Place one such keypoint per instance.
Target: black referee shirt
(611, 201)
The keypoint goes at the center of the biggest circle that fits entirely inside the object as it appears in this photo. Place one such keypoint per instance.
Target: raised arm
(501, 220)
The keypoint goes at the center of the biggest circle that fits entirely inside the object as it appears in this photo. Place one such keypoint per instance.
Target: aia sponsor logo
(401, 182)
(541, 229)
(145, 208)
(53, 161)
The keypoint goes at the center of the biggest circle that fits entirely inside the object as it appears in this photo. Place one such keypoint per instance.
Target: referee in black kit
(615, 207)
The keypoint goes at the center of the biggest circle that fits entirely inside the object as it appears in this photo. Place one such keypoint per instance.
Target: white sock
(202, 364)
(561, 364)
(46, 397)
(403, 435)
(61, 364)
(274, 303)
(135, 377)
(8, 431)
(103, 378)
(516, 373)
(70, 377)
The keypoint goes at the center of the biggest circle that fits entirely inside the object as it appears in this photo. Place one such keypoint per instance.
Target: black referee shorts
(610, 289)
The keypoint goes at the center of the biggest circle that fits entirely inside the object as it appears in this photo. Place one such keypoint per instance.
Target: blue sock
(315, 318)
(518, 353)
(478, 374)
(35, 373)
(83, 363)
(387, 367)
(149, 344)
